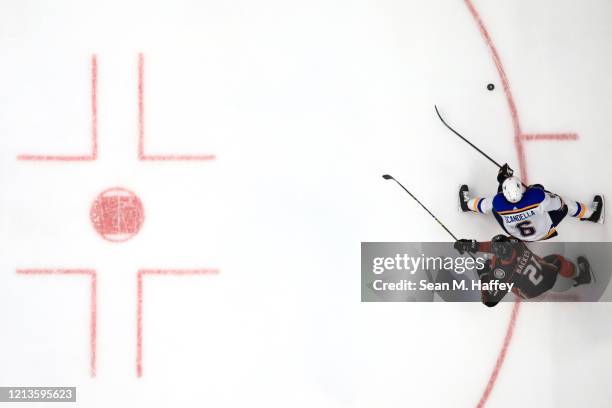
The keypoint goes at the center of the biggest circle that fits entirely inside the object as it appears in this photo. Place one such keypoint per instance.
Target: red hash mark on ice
(117, 213)
(93, 155)
(92, 303)
(139, 304)
(141, 133)
(519, 138)
(551, 136)
(94, 128)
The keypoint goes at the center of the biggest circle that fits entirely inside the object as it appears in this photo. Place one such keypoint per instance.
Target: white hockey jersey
(533, 218)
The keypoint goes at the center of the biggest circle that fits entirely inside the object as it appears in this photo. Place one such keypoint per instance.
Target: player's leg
(585, 275)
(593, 212)
(557, 216)
(474, 204)
(581, 274)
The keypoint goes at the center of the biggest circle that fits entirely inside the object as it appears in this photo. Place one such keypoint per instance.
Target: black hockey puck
(490, 87)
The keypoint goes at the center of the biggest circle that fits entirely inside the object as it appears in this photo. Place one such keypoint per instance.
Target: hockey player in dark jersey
(513, 263)
(529, 213)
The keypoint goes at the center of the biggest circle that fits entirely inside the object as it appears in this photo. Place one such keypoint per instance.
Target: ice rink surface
(303, 105)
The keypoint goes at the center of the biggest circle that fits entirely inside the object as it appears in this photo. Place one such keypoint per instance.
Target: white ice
(305, 105)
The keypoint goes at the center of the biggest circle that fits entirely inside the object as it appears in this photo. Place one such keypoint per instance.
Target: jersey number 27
(533, 270)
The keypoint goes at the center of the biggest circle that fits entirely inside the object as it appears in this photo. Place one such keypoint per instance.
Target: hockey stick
(464, 139)
(389, 177)
(470, 143)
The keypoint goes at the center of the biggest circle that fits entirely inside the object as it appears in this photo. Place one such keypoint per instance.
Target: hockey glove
(504, 172)
(466, 245)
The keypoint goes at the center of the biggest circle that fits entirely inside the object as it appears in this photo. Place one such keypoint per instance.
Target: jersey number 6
(525, 228)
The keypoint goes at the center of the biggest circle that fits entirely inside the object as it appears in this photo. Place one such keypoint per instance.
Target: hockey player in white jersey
(529, 213)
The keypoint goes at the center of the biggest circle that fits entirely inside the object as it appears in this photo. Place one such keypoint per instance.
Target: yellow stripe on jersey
(552, 231)
(476, 200)
(583, 209)
(518, 210)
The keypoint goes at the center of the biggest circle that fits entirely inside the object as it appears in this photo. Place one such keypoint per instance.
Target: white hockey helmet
(512, 189)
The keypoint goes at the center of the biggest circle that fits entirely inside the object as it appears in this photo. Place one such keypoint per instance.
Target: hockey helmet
(501, 246)
(512, 189)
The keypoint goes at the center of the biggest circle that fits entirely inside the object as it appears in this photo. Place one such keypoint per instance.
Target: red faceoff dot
(117, 214)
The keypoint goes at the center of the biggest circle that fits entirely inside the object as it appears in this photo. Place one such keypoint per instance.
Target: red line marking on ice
(94, 127)
(141, 125)
(139, 302)
(506, 85)
(92, 306)
(519, 137)
(518, 133)
(558, 137)
(502, 354)
(518, 144)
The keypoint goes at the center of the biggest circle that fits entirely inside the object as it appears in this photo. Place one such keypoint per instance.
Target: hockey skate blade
(602, 217)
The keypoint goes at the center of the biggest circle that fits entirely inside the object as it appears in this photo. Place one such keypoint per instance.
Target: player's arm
(471, 246)
(551, 202)
(490, 297)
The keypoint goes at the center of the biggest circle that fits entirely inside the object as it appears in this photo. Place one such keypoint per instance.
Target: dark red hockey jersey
(532, 275)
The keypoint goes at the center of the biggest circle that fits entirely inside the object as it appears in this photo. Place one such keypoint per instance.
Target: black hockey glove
(466, 245)
(504, 172)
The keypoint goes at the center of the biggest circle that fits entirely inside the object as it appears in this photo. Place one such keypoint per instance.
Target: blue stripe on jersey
(533, 195)
(578, 210)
